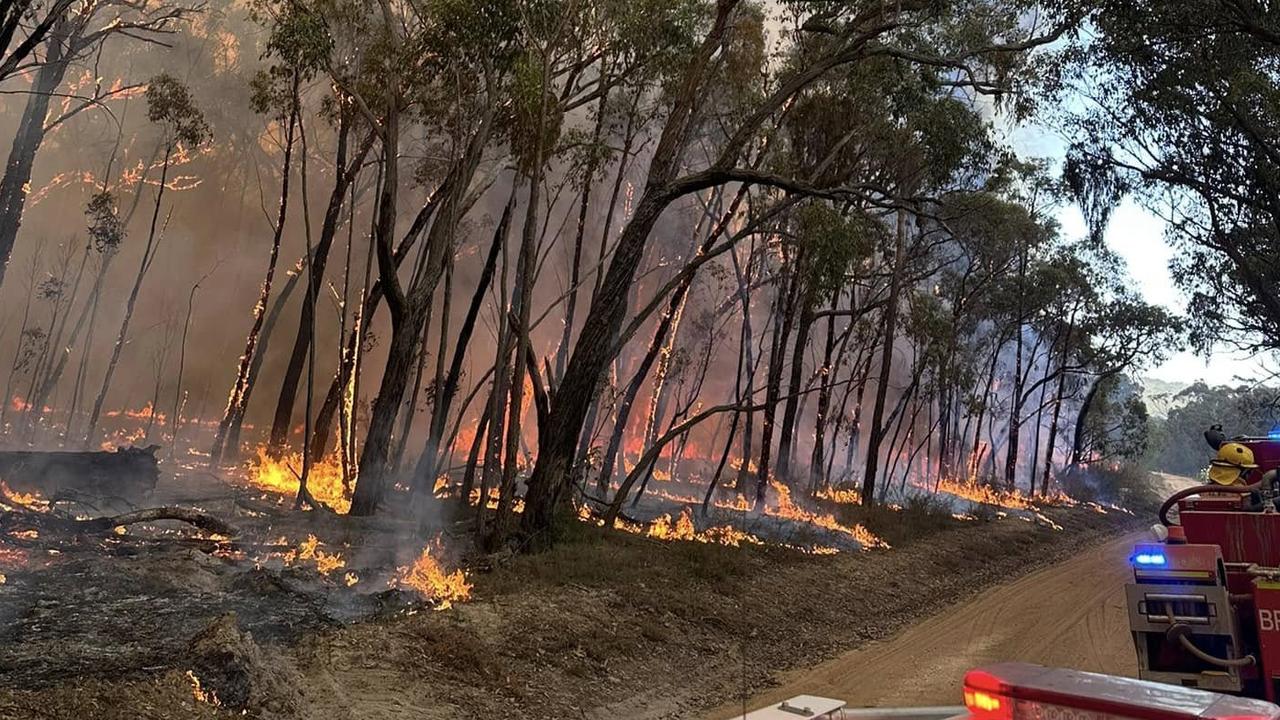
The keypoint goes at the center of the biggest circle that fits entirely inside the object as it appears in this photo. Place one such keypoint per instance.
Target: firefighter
(1232, 465)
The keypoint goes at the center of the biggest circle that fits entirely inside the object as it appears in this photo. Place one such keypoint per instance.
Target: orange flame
(199, 693)
(433, 583)
(309, 550)
(788, 509)
(27, 501)
(841, 496)
(277, 475)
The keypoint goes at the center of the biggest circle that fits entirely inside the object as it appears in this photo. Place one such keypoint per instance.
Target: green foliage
(1118, 425)
(299, 39)
(169, 103)
(105, 228)
(1123, 484)
(1185, 112)
(535, 108)
(833, 244)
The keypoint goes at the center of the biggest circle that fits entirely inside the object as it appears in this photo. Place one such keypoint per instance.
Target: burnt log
(128, 474)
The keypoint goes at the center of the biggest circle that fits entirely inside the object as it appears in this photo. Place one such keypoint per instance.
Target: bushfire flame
(309, 550)
(199, 693)
(27, 501)
(682, 528)
(788, 509)
(279, 475)
(425, 577)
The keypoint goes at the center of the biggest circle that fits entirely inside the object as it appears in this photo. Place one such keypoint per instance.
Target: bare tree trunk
(283, 418)
(1086, 405)
(148, 255)
(22, 336)
(408, 309)
(1057, 407)
(886, 362)
(575, 268)
(426, 468)
(773, 381)
(557, 442)
(15, 183)
(818, 478)
(790, 409)
(1015, 410)
(236, 402)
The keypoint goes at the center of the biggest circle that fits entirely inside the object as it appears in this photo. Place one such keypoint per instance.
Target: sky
(1138, 236)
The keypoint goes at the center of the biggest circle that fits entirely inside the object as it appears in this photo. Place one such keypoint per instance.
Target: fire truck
(1204, 612)
(1204, 604)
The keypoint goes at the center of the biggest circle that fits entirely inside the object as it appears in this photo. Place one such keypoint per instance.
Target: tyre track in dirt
(1069, 615)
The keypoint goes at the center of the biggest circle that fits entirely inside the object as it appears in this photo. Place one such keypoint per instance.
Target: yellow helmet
(1232, 461)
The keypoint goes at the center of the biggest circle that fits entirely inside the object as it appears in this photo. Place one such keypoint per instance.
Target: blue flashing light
(1149, 559)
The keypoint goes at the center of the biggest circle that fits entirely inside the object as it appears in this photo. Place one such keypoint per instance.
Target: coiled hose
(1181, 631)
(1266, 478)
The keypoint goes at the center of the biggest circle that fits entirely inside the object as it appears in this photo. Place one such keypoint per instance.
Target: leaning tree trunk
(408, 309)
(1086, 405)
(236, 402)
(557, 444)
(426, 469)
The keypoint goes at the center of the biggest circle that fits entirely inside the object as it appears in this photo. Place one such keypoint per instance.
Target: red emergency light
(1022, 691)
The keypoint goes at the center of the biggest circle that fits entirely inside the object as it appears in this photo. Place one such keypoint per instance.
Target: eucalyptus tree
(304, 31)
(1183, 109)
(824, 38)
(452, 59)
(301, 46)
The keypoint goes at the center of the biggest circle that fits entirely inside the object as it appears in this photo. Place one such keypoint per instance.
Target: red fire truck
(1204, 611)
(1204, 606)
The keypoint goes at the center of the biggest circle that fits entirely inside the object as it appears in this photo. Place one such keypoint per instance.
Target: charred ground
(166, 619)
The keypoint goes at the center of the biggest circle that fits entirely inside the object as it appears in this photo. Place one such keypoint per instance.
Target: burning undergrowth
(82, 596)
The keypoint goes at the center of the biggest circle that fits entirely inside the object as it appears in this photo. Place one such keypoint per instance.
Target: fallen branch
(201, 520)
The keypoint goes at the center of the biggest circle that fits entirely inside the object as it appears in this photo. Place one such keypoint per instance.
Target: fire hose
(1181, 631)
(1266, 478)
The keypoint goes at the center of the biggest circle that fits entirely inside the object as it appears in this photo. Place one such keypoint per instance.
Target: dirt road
(1068, 615)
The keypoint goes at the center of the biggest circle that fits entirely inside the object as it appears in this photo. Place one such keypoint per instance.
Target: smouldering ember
(200, 693)
(12, 557)
(434, 584)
